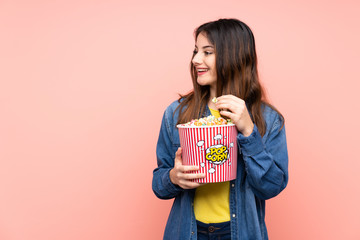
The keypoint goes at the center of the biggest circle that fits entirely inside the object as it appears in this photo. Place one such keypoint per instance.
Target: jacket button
(233, 215)
(192, 233)
(233, 185)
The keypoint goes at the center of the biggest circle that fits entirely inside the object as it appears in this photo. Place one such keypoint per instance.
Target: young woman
(224, 65)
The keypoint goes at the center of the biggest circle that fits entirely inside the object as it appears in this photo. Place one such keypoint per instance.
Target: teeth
(202, 70)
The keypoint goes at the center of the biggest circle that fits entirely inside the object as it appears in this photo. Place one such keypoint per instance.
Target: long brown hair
(236, 69)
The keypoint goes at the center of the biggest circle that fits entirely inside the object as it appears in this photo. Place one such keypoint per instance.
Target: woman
(224, 65)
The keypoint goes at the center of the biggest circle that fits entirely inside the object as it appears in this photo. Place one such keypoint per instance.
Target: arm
(161, 183)
(171, 177)
(266, 163)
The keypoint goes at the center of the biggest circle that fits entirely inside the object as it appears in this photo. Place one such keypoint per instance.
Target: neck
(212, 95)
(212, 92)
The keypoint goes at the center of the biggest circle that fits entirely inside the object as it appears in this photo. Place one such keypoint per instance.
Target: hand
(179, 174)
(235, 108)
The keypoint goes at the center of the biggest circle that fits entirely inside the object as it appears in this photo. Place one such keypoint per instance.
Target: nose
(197, 59)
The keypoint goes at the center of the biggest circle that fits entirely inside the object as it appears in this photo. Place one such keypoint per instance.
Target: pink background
(83, 86)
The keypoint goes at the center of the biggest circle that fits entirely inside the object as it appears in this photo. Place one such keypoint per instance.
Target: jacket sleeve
(161, 183)
(266, 161)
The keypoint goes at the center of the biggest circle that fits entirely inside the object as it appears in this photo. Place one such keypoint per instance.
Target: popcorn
(207, 121)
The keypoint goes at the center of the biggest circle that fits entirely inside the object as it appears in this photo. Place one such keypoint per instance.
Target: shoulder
(269, 111)
(170, 120)
(173, 106)
(273, 119)
(172, 110)
(171, 114)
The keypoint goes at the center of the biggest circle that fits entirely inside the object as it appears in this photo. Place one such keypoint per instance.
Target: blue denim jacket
(262, 173)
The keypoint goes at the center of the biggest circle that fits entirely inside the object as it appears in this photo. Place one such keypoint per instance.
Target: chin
(204, 83)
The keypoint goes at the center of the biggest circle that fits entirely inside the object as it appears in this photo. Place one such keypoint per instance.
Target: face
(204, 61)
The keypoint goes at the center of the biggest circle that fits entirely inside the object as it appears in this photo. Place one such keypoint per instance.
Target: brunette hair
(236, 71)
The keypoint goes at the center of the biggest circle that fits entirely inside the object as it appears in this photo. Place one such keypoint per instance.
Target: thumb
(178, 155)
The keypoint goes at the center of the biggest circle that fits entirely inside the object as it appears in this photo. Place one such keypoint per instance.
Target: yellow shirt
(211, 202)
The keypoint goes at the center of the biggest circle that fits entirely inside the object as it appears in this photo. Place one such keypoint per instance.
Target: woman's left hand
(235, 108)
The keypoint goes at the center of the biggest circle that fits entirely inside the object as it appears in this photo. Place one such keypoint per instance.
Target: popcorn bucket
(212, 148)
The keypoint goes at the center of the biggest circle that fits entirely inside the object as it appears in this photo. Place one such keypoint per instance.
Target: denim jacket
(262, 173)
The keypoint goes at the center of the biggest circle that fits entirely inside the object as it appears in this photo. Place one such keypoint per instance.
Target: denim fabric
(214, 231)
(262, 173)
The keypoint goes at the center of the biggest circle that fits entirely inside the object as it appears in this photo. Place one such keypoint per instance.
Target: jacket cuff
(252, 144)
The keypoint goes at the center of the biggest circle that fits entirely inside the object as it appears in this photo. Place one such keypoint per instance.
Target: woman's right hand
(180, 175)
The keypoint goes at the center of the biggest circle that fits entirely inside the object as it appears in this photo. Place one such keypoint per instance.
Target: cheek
(213, 72)
(213, 67)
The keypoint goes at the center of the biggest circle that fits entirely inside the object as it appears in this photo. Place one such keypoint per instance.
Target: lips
(201, 71)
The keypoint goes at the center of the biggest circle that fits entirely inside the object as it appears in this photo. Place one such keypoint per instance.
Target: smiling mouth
(202, 71)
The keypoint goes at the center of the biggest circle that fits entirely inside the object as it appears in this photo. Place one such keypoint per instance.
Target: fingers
(230, 99)
(189, 168)
(190, 185)
(178, 161)
(227, 114)
(180, 166)
(191, 176)
(178, 155)
(231, 103)
(235, 108)
(185, 180)
(178, 152)
(182, 175)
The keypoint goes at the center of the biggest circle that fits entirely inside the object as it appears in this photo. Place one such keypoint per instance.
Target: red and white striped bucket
(212, 148)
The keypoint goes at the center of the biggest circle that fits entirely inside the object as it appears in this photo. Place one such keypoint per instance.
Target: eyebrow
(207, 46)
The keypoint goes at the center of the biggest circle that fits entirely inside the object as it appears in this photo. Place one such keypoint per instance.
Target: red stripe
(195, 147)
(206, 146)
(198, 150)
(231, 155)
(211, 143)
(187, 145)
(202, 153)
(190, 147)
(186, 133)
(228, 140)
(218, 167)
(213, 175)
(224, 142)
(205, 169)
(224, 168)
(198, 134)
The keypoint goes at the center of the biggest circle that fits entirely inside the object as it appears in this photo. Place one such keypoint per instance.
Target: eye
(195, 52)
(208, 53)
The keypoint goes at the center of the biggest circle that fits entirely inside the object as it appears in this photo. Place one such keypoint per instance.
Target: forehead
(202, 41)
